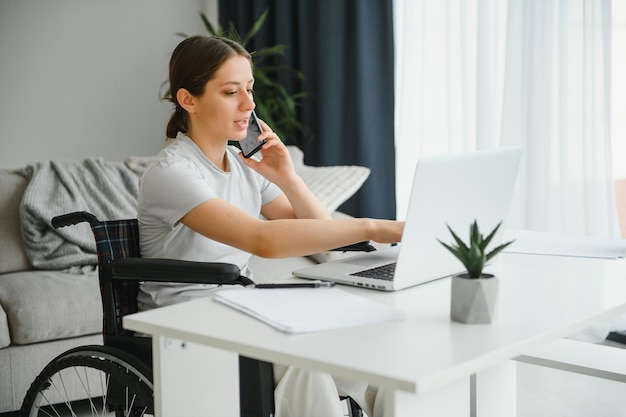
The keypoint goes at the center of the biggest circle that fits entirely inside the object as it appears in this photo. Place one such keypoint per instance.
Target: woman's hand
(276, 164)
(387, 231)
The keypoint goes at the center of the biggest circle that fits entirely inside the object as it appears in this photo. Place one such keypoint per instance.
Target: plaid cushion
(125, 299)
(118, 239)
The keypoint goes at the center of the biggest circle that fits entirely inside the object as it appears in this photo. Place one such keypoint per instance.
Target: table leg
(493, 392)
(193, 380)
(489, 393)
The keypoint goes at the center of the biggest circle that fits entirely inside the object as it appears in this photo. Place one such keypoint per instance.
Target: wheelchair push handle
(76, 217)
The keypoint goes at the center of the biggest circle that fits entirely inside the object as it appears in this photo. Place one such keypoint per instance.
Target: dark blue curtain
(345, 51)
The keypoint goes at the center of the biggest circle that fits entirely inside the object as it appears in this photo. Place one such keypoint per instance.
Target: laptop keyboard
(384, 272)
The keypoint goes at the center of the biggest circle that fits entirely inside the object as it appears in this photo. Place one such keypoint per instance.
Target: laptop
(449, 190)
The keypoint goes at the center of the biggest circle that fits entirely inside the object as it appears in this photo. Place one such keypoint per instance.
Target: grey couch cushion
(5, 338)
(19, 365)
(12, 255)
(49, 305)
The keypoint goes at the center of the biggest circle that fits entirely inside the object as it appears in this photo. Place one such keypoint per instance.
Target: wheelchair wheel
(109, 382)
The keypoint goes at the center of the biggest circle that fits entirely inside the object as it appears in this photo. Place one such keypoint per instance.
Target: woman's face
(223, 111)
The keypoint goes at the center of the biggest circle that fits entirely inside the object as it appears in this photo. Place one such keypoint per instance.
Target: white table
(426, 362)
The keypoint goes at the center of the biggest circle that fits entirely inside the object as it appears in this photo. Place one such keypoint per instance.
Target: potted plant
(474, 293)
(273, 102)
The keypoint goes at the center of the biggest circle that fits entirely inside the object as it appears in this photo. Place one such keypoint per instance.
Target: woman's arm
(298, 225)
(226, 223)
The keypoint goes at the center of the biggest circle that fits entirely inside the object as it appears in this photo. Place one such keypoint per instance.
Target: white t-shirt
(178, 180)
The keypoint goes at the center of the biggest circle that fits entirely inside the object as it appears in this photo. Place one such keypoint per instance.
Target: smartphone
(250, 145)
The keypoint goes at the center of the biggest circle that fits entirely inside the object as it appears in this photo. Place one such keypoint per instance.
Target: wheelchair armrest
(175, 270)
(356, 247)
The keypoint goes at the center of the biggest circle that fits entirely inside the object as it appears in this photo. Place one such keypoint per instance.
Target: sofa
(46, 310)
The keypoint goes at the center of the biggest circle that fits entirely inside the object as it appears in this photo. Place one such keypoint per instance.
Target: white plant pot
(473, 300)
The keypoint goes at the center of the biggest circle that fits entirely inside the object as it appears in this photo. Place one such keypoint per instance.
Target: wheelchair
(115, 379)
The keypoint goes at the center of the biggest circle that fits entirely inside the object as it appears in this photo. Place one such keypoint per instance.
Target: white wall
(80, 78)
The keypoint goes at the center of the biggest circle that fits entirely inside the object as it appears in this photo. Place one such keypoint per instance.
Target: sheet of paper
(565, 245)
(302, 310)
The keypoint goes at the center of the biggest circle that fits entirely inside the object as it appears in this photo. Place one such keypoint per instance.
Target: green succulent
(274, 104)
(474, 256)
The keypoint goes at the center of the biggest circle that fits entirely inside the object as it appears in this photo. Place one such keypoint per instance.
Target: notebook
(449, 190)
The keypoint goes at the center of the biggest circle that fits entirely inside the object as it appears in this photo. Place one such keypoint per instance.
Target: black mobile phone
(250, 145)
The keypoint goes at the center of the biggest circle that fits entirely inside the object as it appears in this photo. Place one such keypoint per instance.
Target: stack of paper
(301, 310)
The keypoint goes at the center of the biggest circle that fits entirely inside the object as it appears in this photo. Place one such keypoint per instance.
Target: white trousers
(302, 393)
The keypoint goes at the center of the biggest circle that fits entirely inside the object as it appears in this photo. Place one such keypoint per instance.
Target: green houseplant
(474, 293)
(474, 256)
(274, 104)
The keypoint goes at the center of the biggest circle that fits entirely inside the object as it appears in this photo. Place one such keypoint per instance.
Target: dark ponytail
(194, 62)
(178, 121)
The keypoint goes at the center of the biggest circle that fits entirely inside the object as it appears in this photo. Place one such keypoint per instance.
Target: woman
(201, 200)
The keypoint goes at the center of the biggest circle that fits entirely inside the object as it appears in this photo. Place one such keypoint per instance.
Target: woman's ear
(185, 99)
